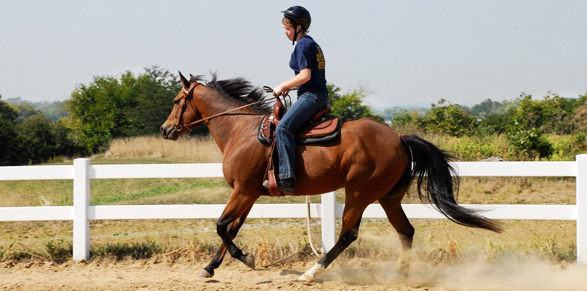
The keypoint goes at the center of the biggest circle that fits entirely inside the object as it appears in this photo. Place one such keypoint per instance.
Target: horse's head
(184, 116)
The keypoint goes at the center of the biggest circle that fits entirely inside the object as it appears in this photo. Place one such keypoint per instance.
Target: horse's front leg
(227, 227)
(208, 271)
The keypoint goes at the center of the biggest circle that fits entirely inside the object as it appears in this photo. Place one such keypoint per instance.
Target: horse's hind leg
(391, 204)
(349, 232)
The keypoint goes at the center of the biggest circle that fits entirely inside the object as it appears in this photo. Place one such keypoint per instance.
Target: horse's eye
(175, 102)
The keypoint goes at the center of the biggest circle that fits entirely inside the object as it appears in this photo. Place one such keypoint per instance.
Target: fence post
(581, 209)
(81, 202)
(328, 221)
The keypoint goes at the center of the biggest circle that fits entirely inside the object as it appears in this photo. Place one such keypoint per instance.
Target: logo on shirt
(320, 59)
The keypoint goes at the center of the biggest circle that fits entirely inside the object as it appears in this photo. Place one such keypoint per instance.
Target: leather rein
(183, 104)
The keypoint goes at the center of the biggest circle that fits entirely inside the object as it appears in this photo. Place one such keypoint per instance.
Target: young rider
(307, 62)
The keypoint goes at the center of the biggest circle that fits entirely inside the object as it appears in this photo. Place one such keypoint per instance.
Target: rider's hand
(280, 90)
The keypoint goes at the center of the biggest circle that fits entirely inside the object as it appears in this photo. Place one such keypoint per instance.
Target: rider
(307, 62)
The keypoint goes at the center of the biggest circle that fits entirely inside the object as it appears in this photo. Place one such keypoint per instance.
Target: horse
(371, 161)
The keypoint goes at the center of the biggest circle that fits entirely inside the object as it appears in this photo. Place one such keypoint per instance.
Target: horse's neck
(225, 129)
(232, 131)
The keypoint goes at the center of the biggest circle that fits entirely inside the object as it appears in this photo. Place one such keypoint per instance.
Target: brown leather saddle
(322, 127)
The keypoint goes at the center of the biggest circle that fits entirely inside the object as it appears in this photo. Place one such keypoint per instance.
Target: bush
(527, 144)
(478, 148)
(567, 147)
(447, 118)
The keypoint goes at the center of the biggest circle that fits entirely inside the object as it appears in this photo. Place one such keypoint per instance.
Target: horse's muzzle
(168, 132)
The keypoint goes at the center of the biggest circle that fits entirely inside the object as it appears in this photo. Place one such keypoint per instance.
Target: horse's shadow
(372, 275)
(290, 272)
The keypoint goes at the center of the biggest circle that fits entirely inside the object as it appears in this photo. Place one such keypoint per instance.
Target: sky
(401, 53)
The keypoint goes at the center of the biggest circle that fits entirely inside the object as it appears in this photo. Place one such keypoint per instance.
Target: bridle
(179, 125)
(183, 105)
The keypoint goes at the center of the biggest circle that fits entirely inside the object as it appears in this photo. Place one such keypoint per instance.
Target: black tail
(431, 164)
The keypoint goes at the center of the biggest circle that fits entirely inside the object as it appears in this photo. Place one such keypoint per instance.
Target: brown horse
(370, 160)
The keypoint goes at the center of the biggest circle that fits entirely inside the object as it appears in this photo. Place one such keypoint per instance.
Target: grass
(272, 241)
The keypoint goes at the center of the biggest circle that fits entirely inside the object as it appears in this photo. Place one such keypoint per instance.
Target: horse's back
(367, 152)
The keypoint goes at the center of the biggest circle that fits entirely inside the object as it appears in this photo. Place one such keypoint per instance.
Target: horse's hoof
(249, 261)
(310, 275)
(205, 274)
(306, 278)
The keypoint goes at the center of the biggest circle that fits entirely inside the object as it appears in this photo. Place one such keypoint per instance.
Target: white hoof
(306, 278)
(204, 274)
(310, 275)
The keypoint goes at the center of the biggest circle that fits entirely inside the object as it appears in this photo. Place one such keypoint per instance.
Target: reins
(191, 125)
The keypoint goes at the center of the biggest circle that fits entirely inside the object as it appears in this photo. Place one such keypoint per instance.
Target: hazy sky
(403, 52)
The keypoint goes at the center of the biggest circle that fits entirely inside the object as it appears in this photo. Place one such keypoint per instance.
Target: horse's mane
(240, 90)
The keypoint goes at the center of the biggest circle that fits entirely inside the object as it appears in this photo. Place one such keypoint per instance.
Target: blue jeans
(300, 113)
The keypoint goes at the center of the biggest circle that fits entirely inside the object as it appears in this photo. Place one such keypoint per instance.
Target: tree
(553, 114)
(112, 107)
(37, 142)
(523, 133)
(155, 90)
(527, 143)
(25, 111)
(403, 117)
(489, 108)
(66, 142)
(580, 115)
(97, 111)
(350, 106)
(447, 118)
(9, 153)
(53, 110)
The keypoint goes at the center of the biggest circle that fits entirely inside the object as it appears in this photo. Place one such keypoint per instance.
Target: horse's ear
(184, 81)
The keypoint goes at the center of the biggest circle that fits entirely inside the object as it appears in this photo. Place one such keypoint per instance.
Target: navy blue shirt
(308, 54)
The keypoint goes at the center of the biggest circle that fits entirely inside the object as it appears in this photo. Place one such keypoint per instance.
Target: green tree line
(130, 105)
(551, 128)
(108, 107)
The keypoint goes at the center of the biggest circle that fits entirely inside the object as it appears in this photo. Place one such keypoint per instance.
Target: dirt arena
(355, 274)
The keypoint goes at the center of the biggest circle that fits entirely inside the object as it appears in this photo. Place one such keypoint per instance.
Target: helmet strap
(295, 36)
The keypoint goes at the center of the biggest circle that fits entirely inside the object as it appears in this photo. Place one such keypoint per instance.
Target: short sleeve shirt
(308, 54)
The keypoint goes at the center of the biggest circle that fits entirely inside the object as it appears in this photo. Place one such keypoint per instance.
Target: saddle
(322, 127)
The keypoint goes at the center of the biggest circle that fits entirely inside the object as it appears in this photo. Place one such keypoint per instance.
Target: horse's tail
(431, 164)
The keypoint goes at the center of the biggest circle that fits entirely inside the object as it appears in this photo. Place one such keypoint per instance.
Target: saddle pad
(320, 127)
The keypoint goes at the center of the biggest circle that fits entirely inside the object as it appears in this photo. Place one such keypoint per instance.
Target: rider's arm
(300, 79)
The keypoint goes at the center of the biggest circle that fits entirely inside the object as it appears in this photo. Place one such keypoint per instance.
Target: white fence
(82, 172)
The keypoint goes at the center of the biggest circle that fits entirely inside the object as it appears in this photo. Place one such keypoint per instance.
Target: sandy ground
(356, 274)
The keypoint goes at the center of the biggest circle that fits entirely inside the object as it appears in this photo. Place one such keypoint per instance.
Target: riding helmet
(299, 15)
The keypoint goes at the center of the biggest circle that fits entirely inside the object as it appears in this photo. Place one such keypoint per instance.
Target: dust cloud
(503, 274)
